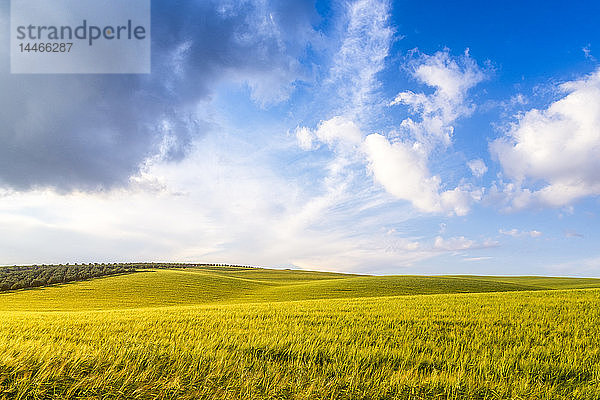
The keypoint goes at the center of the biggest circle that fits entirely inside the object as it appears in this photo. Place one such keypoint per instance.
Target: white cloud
(477, 258)
(304, 137)
(402, 171)
(478, 167)
(512, 232)
(226, 202)
(460, 199)
(337, 131)
(451, 78)
(401, 168)
(518, 100)
(557, 148)
(458, 243)
(453, 244)
(365, 45)
(517, 233)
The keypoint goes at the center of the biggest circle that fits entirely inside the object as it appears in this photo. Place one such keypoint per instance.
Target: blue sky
(362, 136)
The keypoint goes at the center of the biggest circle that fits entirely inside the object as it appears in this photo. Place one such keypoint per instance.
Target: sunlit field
(227, 333)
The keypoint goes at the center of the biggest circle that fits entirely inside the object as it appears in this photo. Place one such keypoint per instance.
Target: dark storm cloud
(93, 131)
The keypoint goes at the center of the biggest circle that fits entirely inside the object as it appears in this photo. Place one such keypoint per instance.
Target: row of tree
(184, 265)
(13, 278)
(21, 277)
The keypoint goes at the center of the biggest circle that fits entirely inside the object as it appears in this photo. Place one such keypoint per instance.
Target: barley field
(219, 333)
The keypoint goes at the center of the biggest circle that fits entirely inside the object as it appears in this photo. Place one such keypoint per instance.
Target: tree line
(22, 277)
(13, 278)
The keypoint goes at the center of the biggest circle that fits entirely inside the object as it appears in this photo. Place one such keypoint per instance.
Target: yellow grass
(228, 335)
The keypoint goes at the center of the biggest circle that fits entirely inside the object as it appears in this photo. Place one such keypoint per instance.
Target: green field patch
(208, 285)
(170, 287)
(372, 286)
(148, 288)
(541, 282)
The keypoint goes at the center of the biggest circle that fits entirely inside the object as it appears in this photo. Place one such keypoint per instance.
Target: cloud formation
(517, 233)
(451, 78)
(334, 132)
(552, 155)
(327, 150)
(94, 131)
(401, 165)
(366, 42)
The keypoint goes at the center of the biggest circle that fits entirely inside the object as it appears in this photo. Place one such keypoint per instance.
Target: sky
(367, 136)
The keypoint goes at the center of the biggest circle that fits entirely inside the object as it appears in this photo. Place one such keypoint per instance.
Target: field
(229, 333)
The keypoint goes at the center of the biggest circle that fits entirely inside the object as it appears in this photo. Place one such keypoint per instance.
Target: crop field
(233, 333)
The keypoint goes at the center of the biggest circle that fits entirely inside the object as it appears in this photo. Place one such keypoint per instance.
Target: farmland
(228, 333)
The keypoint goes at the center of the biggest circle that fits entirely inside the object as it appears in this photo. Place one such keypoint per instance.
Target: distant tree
(38, 283)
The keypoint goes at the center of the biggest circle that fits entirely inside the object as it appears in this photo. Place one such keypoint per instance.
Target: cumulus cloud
(552, 155)
(451, 78)
(401, 166)
(94, 131)
(454, 243)
(402, 170)
(336, 131)
(304, 137)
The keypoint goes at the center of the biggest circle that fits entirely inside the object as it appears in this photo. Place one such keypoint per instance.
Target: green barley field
(242, 333)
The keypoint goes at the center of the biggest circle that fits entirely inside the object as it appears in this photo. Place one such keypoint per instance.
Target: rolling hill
(231, 333)
(206, 285)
